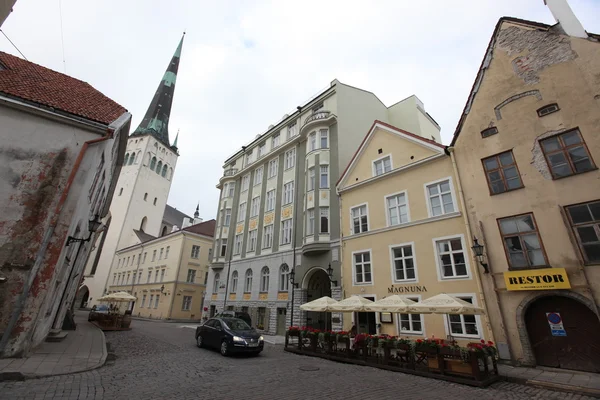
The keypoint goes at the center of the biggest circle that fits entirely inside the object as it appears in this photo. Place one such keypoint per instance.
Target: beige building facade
(404, 234)
(527, 149)
(166, 274)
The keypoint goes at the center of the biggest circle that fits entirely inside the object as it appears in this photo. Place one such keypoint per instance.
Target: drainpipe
(229, 250)
(176, 276)
(295, 221)
(39, 258)
(450, 150)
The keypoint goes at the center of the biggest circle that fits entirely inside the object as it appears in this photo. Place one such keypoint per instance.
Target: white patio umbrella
(351, 304)
(322, 304)
(391, 304)
(445, 304)
(118, 297)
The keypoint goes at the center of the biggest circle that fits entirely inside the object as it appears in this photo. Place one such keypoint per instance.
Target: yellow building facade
(166, 274)
(404, 233)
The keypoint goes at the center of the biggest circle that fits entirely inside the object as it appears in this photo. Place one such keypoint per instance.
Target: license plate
(252, 344)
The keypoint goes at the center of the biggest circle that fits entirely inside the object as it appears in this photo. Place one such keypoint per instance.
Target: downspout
(228, 267)
(176, 276)
(295, 222)
(39, 258)
(450, 150)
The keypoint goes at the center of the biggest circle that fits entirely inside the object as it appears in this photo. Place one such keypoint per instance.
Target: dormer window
(489, 132)
(549, 109)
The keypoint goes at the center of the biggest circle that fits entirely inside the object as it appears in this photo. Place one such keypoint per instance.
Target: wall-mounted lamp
(292, 278)
(93, 226)
(478, 250)
(330, 274)
(162, 289)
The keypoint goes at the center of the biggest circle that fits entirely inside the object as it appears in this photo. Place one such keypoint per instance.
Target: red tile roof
(206, 228)
(34, 83)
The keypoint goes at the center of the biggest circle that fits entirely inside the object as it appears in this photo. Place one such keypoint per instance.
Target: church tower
(137, 207)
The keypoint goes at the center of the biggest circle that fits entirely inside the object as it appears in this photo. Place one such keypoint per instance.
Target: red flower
(419, 341)
(490, 343)
(482, 341)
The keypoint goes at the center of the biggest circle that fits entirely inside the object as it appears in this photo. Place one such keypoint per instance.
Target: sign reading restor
(537, 279)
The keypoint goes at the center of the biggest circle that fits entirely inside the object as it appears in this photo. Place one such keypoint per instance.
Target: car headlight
(237, 339)
(261, 339)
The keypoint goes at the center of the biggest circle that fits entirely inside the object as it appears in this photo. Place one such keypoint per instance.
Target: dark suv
(244, 316)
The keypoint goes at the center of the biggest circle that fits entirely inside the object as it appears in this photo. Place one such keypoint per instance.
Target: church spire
(156, 120)
(175, 142)
(197, 213)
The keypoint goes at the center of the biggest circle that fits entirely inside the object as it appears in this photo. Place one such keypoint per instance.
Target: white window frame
(191, 276)
(248, 282)
(370, 283)
(270, 201)
(275, 140)
(417, 298)
(273, 167)
(374, 168)
(262, 150)
(393, 264)
(387, 209)
(195, 251)
(311, 178)
(312, 141)
(288, 193)
(230, 189)
(255, 207)
(286, 231)
(227, 219)
(237, 244)
(452, 192)
(466, 251)
(234, 281)
(310, 222)
(186, 305)
(326, 166)
(258, 175)
(284, 279)
(321, 210)
(222, 244)
(267, 244)
(241, 217)
(477, 319)
(292, 130)
(249, 159)
(143, 300)
(323, 133)
(245, 182)
(352, 219)
(290, 159)
(252, 239)
(265, 279)
(216, 283)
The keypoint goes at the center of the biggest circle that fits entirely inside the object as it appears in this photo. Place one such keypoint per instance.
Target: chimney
(566, 18)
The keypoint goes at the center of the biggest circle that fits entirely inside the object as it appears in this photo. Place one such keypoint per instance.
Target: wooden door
(579, 349)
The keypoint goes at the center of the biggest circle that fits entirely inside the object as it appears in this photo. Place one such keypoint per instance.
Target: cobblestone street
(160, 360)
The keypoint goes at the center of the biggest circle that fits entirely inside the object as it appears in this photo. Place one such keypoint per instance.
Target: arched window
(248, 281)
(170, 174)
(217, 283)
(164, 170)
(131, 158)
(159, 167)
(284, 278)
(154, 203)
(264, 279)
(120, 191)
(149, 159)
(143, 224)
(164, 231)
(153, 163)
(234, 281)
(145, 196)
(126, 159)
(138, 156)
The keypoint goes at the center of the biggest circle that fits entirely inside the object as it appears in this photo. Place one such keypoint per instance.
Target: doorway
(213, 310)
(579, 349)
(319, 285)
(82, 297)
(366, 321)
(281, 321)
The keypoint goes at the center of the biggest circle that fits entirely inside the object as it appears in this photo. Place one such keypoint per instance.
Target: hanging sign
(556, 325)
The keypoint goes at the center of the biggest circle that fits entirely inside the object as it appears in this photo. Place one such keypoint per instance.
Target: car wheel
(224, 348)
(199, 341)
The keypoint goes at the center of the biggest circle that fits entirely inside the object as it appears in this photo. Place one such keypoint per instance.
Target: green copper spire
(176, 138)
(156, 120)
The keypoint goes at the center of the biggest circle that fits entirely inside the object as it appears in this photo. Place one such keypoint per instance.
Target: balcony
(315, 248)
(317, 116)
(230, 172)
(322, 117)
(219, 264)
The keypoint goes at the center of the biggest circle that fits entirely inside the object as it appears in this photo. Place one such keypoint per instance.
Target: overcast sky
(247, 63)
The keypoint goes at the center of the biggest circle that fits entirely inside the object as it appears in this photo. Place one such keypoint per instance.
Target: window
(464, 325)
(382, 166)
(268, 236)
(234, 282)
(143, 301)
(292, 131)
(275, 141)
(312, 141)
(227, 220)
(153, 163)
(121, 192)
(360, 222)
(156, 275)
(162, 250)
(284, 278)
(167, 252)
(451, 258)
(127, 263)
(248, 281)
(114, 278)
(585, 221)
(262, 149)
(154, 256)
(311, 179)
(154, 202)
(404, 263)
(290, 158)
(362, 267)
(258, 175)
(286, 231)
(324, 182)
(216, 283)
(151, 300)
(149, 277)
(242, 212)
(522, 242)
(489, 132)
(261, 316)
(324, 142)
(145, 196)
(140, 276)
(324, 220)
(187, 303)
(440, 198)
(245, 182)
(156, 300)
(144, 259)
(252, 240)
(502, 173)
(549, 109)
(134, 276)
(288, 193)
(237, 244)
(567, 154)
(230, 189)
(162, 275)
(195, 251)
(264, 280)
(410, 324)
(164, 171)
(273, 165)
(128, 276)
(191, 276)
(254, 207)
(397, 209)
(249, 157)
(310, 221)
(270, 203)
(223, 247)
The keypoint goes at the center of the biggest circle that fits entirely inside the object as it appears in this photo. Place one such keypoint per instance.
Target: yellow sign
(537, 279)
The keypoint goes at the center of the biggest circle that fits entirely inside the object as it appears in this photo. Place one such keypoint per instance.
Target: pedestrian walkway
(274, 339)
(82, 350)
(585, 383)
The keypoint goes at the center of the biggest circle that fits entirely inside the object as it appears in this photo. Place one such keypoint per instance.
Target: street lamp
(330, 275)
(478, 250)
(292, 278)
(162, 289)
(93, 226)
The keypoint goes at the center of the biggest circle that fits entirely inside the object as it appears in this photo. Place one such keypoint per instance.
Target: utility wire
(62, 39)
(7, 38)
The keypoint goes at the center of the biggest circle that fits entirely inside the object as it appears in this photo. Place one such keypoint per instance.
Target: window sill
(362, 284)
(410, 333)
(455, 278)
(507, 191)
(464, 336)
(395, 282)
(554, 178)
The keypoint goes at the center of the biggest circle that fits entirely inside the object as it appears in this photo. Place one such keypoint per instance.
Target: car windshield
(236, 324)
(102, 307)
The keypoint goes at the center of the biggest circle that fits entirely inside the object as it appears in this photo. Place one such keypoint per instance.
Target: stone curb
(559, 387)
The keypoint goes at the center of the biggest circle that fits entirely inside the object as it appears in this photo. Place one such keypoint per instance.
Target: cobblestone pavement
(160, 360)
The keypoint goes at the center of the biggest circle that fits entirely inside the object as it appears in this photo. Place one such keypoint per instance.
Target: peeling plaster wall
(555, 69)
